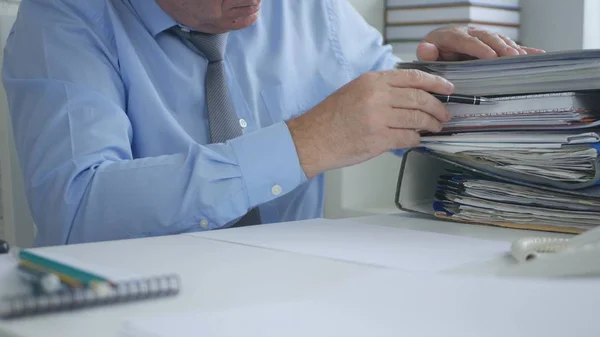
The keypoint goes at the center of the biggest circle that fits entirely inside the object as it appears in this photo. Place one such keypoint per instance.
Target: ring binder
(125, 291)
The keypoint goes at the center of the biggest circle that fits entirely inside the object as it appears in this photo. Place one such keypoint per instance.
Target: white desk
(490, 267)
(219, 275)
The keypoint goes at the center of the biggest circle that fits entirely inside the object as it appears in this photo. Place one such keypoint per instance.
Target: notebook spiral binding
(125, 291)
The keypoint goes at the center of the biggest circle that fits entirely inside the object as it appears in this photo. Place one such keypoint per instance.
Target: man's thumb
(427, 52)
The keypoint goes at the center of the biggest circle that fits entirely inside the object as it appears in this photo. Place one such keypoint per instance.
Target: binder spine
(126, 291)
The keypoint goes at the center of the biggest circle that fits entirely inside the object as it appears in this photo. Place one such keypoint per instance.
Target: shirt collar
(153, 17)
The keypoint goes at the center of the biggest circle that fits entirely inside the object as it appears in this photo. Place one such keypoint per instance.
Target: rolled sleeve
(399, 152)
(270, 173)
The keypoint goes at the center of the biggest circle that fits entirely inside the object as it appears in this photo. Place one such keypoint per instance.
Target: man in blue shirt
(109, 109)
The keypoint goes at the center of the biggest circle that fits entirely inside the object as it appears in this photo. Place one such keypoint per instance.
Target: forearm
(205, 188)
(142, 197)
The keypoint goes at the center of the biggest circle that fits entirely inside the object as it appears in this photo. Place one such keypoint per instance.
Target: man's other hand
(377, 112)
(455, 43)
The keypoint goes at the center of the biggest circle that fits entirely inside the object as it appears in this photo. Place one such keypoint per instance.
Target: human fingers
(530, 50)
(521, 49)
(494, 41)
(456, 42)
(402, 138)
(513, 44)
(413, 78)
(412, 119)
(417, 99)
(427, 51)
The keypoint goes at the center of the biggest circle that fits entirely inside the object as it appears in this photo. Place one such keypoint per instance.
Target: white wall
(558, 26)
(561, 25)
(372, 11)
(591, 30)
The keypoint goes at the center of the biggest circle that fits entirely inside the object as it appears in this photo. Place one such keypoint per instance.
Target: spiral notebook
(98, 285)
(125, 291)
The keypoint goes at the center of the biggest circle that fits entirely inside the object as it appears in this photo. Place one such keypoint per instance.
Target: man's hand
(462, 43)
(375, 113)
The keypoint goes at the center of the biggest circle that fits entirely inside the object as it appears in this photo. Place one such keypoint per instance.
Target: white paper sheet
(574, 163)
(492, 139)
(525, 74)
(369, 244)
(396, 304)
(523, 195)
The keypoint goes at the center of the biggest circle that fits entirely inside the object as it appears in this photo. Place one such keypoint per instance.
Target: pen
(464, 99)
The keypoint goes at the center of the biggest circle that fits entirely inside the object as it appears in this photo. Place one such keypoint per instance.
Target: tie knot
(211, 45)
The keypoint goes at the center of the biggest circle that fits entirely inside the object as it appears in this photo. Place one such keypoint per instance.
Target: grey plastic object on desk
(4, 247)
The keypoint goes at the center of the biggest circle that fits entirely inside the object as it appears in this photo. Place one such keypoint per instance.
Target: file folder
(574, 70)
(418, 190)
(592, 179)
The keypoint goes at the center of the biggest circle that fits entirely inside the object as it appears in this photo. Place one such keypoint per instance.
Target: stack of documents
(568, 158)
(531, 178)
(468, 197)
(560, 110)
(513, 75)
(530, 159)
(409, 21)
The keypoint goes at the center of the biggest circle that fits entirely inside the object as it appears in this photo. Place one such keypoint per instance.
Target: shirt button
(243, 123)
(204, 224)
(276, 190)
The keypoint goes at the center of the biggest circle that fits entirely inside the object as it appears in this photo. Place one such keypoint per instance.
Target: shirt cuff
(391, 60)
(269, 163)
(399, 152)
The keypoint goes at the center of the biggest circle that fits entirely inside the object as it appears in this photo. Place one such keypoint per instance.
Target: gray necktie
(222, 118)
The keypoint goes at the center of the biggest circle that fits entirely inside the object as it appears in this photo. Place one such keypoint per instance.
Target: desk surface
(218, 275)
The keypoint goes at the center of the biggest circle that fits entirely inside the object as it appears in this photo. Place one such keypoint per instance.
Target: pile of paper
(531, 157)
(550, 111)
(568, 164)
(525, 74)
(564, 162)
(470, 198)
(570, 158)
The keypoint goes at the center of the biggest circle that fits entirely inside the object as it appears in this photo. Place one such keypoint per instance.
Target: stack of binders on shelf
(528, 159)
(407, 22)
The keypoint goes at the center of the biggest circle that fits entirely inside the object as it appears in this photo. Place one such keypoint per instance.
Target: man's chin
(243, 22)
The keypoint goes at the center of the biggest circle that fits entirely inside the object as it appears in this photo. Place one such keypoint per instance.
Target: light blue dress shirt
(110, 120)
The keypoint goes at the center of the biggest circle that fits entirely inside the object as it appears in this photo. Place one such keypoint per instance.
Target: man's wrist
(310, 153)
